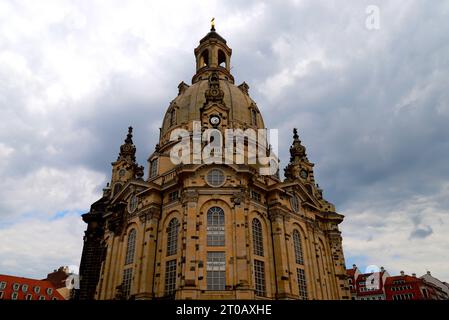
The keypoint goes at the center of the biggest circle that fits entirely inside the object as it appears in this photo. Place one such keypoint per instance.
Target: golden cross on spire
(212, 24)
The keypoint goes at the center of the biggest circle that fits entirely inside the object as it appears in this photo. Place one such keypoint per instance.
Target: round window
(215, 178)
(132, 205)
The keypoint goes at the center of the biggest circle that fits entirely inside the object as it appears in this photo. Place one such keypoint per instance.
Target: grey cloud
(421, 233)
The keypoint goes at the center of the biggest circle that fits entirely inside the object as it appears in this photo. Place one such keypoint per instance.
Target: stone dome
(189, 102)
(212, 76)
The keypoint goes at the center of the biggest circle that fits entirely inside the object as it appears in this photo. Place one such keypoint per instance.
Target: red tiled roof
(406, 278)
(41, 290)
(350, 272)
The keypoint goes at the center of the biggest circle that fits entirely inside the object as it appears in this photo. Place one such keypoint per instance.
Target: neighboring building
(59, 279)
(211, 231)
(17, 288)
(405, 287)
(370, 286)
(353, 274)
(382, 286)
(442, 287)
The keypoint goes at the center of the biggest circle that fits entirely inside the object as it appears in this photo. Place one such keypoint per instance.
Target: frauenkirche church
(211, 231)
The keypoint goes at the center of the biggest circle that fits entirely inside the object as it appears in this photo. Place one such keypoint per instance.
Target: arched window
(204, 58)
(298, 247)
(215, 227)
(221, 59)
(131, 247)
(172, 237)
(257, 237)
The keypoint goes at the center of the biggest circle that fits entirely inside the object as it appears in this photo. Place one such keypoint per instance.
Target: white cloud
(387, 238)
(34, 247)
(47, 191)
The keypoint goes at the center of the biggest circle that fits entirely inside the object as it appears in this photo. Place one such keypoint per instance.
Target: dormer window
(172, 117)
(253, 117)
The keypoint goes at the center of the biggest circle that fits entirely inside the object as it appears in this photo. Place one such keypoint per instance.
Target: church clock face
(214, 120)
(303, 174)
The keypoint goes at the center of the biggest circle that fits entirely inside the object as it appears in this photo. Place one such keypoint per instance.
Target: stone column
(242, 258)
(150, 219)
(280, 254)
(189, 254)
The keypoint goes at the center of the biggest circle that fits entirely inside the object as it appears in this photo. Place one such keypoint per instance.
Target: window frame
(172, 198)
(172, 237)
(256, 196)
(216, 270)
(257, 233)
(302, 283)
(215, 227)
(170, 277)
(154, 168)
(133, 203)
(298, 248)
(295, 203)
(131, 246)
(215, 178)
(127, 280)
(259, 278)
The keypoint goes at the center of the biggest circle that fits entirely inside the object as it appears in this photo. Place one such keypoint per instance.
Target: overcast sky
(371, 106)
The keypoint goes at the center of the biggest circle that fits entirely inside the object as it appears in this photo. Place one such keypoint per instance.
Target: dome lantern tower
(213, 54)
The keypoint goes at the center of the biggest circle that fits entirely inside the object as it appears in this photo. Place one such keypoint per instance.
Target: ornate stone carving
(115, 223)
(151, 212)
(128, 149)
(239, 197)
(276, 213)
(214, 93)
(182, 87)
(189, 196)
(244, 87)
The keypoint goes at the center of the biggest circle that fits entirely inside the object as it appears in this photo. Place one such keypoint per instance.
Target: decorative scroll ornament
(214, 93)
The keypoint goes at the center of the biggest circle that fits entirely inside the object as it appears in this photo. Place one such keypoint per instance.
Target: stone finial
(128, 150)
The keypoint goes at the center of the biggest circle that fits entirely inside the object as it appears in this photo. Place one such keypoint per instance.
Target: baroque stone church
(211, 231)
